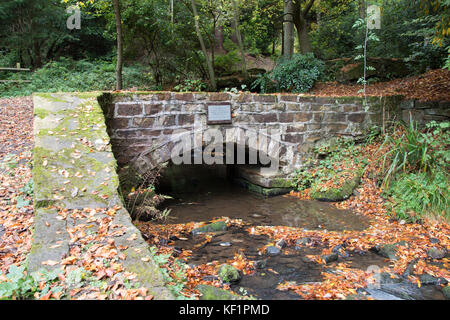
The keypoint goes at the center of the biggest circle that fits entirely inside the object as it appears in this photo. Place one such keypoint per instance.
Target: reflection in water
(234, 202)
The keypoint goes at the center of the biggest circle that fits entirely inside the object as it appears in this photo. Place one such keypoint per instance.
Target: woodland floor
(16, 222)
(431, 86)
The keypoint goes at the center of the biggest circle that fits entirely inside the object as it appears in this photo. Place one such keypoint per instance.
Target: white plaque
(219, 114)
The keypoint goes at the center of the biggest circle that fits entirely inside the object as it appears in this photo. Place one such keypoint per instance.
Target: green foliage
(28, 188)
(8, 162)
(416, 177)
(67, 75)
(415, 151)
(189, 85)
(298, 74)
(22, 285)
(424, 53)
(225, 64)
(333, 156)
(414, 194)
(177, 277)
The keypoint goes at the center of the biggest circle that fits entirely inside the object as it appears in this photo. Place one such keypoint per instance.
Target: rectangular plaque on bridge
(219, 114)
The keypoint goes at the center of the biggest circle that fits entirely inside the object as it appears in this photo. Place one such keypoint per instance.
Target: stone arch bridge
(145, 127)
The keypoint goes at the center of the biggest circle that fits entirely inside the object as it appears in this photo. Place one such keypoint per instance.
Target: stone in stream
(401, 290)
(260, 264)
(410, 268)
(327, 258)
(302, 242)
(340, 250)
(436, 253)
(212, 227)
(434, 240)
(387, 250)
(273, 250)
(214, 293)
(446, 292)
(228, 273)
(281, 243)
(427, 279)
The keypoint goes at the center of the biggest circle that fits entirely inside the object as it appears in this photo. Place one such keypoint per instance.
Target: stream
(226, 200)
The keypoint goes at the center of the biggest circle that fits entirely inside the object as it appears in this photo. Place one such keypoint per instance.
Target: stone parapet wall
(137, 121)
(424, 112)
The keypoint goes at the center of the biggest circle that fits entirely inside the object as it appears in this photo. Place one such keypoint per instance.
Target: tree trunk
(218, 34)
(362, 9)
(212, 77)
(119, 45)
(239, 38)
(303, 36)
(37, 55)
(301, 24)
(288, 29)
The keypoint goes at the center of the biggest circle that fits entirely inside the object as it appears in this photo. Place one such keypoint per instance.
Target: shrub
(415, 194)
(67, 75)
(416, 178)
(225, 64)
(189, 85)
(416, 151)
(298, 74)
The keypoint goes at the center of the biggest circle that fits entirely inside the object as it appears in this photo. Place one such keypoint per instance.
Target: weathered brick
(265, 118)
(185, 96)
(151, 132)
(293, 138)
(244, 97)
(289, 98)
(337, 127)
(151, 109)
(127, 133)
(286, 117)
(334, 117)
(357, 117)
(296, 128)
(143, 122)
(219, 96)
(162, 96)
(265, 98)
(351, 108)
(129, 110)
(118, 123)
(303, 116)
(318, 117)
(185, 119)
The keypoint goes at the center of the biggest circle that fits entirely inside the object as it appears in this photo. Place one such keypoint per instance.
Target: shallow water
(225, 200)
(231, 201)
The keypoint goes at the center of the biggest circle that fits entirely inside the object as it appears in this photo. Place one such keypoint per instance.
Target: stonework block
(151, 109)
(129, 110)
(265, 98)
(219, 96)
(185, 96)
(303, 117)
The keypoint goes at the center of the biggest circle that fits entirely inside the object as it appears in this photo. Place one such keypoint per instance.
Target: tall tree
(239, 37)
(301, 11)
(212, 77)
(288, 29)
(119, 64)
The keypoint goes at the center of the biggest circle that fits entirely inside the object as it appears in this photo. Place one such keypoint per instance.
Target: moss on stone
(213, 293)
(41, 113)
(228, 273)
(336, 194)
